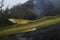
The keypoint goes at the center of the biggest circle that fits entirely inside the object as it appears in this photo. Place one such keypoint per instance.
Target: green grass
(38, 24)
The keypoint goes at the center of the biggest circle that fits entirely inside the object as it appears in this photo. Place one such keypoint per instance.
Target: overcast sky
(11, 3)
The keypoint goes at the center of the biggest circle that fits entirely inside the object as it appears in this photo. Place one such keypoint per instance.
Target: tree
(1, 6)
(4, 14)
(1, 11)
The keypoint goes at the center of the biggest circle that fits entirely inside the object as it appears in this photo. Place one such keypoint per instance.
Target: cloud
(11, 3)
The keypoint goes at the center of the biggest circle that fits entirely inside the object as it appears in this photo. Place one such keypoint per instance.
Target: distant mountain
(56, 3)
(42, 8)
(22, 11)
(46, 7)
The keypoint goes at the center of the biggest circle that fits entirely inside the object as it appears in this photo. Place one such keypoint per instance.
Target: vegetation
(24, 18)
(18, 28)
